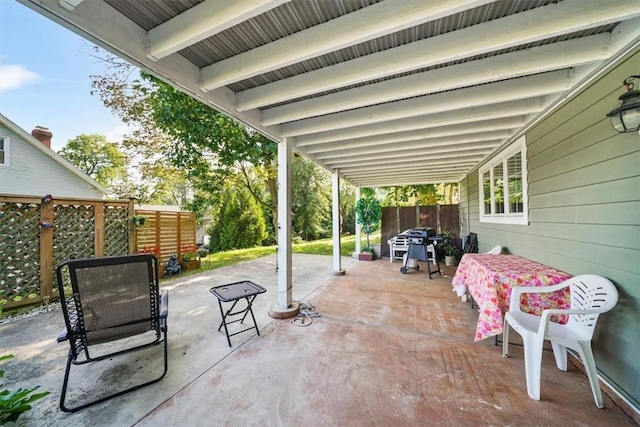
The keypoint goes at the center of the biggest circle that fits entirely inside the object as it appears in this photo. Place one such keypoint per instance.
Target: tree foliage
(96, 157)
(156, 180)
(211, 147)
(422, 195)
(191, 154)
(369, 213)
(240, 222)
(311, 200)
(182, 142)
(348, 209)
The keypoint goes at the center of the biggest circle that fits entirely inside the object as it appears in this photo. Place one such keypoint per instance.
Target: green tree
(240, 222)
(93, 155)
(311, 200)
(411, 195)
(154, 179)
(177, 132)
(212, 147)
(369, 213)
(348, 208)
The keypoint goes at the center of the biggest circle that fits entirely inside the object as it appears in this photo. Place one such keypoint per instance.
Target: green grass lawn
(316, 247)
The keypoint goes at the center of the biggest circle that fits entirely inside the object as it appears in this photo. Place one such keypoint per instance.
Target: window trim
(518, 218)
(7, 145)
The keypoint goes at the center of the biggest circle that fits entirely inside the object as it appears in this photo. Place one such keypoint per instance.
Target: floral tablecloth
(490, 279)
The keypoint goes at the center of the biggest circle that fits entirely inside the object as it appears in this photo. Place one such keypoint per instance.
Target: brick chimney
(43, 135)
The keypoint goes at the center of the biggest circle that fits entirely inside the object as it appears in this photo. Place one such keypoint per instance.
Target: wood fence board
(398, 219)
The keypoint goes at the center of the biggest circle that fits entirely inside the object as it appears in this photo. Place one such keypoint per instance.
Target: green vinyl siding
(584, 213)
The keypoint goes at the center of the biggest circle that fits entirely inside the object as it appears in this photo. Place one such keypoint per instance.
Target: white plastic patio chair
(591, 295)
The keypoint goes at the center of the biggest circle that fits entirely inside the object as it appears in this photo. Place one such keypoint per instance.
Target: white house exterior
(28, 167)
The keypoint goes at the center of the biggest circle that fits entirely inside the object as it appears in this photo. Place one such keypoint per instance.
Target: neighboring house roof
(28, 138)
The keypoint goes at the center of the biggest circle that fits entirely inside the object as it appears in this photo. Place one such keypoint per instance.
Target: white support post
(358, 228)
(335, 210)
(284, 307)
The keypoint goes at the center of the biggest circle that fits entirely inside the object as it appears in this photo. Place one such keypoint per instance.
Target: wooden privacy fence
(166, 233)
(38, 233)
(397, 219)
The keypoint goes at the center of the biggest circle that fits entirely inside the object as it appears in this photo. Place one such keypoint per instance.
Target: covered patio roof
(391, 92)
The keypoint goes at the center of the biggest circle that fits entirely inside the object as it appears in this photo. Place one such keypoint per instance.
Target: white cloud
(15, 76)
(116, 134)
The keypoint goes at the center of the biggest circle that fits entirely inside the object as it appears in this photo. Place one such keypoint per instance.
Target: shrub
(15, 403)
(241, 224)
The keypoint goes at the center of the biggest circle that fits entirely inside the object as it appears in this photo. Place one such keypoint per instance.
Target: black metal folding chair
(111, 298)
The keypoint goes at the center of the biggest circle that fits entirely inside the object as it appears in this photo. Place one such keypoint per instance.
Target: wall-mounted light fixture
(626, 116)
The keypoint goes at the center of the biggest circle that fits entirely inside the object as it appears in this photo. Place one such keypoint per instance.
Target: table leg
(426, 253)
(224, 321)
(246, 310)
(225, 315)
(250, 309)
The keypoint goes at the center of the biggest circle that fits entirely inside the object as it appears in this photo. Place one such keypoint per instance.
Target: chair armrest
(164, 310)
(545, 317)
(517, 291)
(164, 304)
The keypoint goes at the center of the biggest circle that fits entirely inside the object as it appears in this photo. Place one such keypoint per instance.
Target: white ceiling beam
(202, 21)
(625, 34)
(420, 182)
(422, 164)
(406, 161)
(69, 5)
(452, 144)
(103, 25)
(443, 132)
(410, 176)
(364, 24)
(416, 180)
(409, 173)
(553, 82)
(536, 60)
(460, 168)
(402, 180)
(480, 148)
(518, 108)
(414, 167)
(526, 27)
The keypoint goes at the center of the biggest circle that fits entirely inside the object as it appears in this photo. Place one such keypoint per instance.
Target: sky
(44, 78)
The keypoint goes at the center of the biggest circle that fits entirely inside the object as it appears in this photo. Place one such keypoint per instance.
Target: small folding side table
(234, 292)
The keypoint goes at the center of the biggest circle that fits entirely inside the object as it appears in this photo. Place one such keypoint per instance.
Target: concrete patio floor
(388, 350)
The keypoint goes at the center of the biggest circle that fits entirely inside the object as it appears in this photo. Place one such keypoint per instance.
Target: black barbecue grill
(419, 239)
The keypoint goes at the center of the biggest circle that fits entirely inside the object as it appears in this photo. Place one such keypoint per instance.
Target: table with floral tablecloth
(490, 278)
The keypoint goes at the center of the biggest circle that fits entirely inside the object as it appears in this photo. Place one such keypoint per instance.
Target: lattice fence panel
(19, 251)
(116, 230)
(73, 232)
